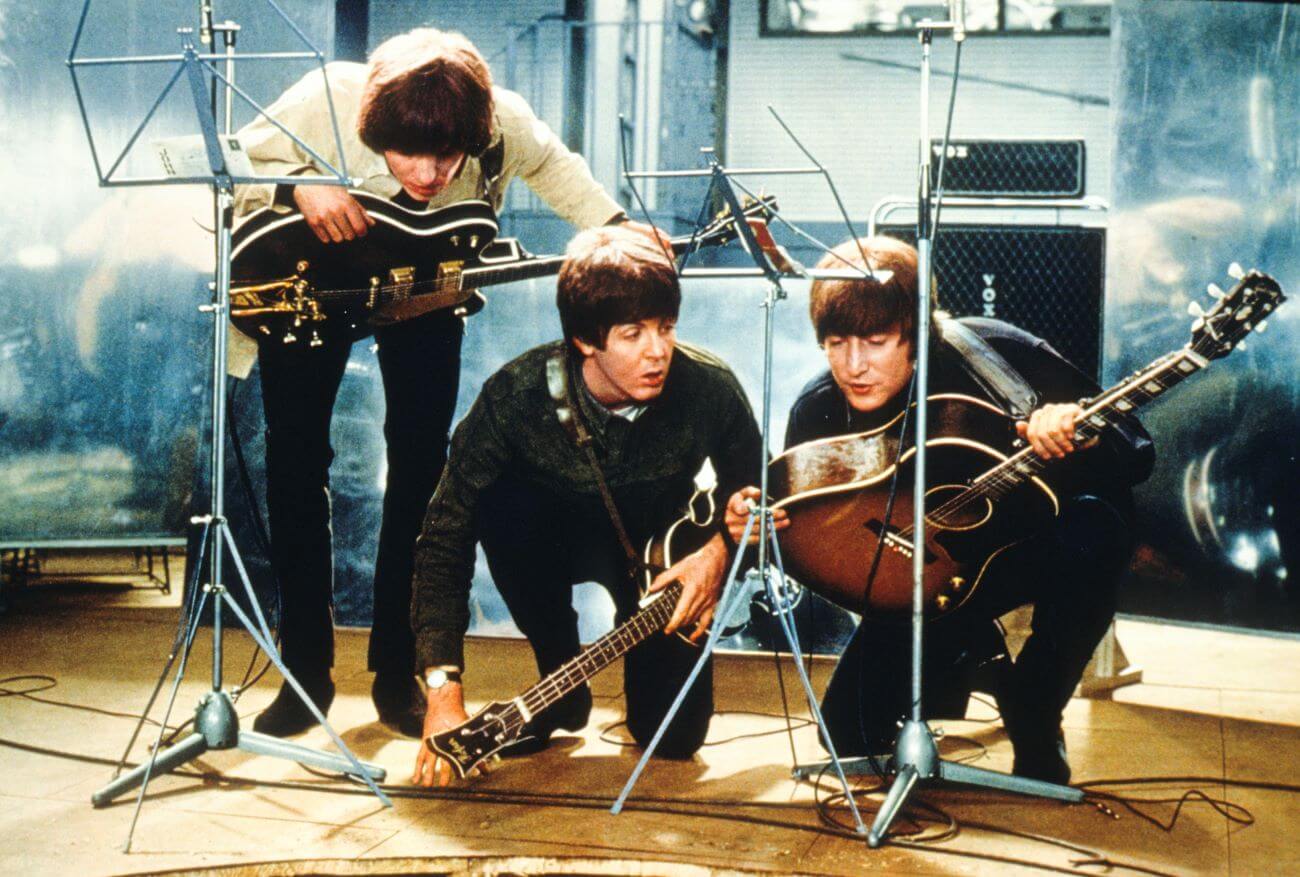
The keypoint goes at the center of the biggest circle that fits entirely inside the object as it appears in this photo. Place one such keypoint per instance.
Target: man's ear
(584, 348)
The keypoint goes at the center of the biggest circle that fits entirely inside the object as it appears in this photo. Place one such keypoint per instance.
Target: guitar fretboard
(1108, 409)
(597, 656)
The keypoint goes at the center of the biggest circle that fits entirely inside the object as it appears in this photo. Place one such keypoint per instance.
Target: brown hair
(429, 92)
(613, 275)
(863, 306)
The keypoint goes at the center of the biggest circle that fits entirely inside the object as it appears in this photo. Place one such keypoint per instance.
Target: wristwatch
(437, 677)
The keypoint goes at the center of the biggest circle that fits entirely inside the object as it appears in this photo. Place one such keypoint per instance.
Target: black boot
(1036, 738)
(399, 701)
(288, 715)
(1043, 761)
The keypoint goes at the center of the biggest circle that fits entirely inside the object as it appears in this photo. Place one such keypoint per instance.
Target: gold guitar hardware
(401, 280)
(451, 271)
(274, 297)
(957, 583)
(942, 602)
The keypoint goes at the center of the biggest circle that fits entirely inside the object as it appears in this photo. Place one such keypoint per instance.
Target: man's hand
(738, 512)
(445, 709)
(657, 237)
(701, 576)
(1050, 430)
(332, 213)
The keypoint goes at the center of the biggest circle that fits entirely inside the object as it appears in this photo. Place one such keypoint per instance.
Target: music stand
(721, 183)
(216, 723)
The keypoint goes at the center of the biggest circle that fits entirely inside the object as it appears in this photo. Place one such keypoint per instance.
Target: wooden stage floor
(1217, 713)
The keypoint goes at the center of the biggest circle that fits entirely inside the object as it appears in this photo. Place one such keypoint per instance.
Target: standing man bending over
(518, 484)
(423, 126)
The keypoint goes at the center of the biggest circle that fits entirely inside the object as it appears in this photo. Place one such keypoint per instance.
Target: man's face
(870, 370)
(422, 175)
(634, 364)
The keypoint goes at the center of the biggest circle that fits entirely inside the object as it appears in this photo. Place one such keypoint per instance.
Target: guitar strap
(558, 383)
(988, 368)
(490, 163)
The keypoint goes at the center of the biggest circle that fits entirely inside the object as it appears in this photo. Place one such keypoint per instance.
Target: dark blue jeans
(538, 545)
(419, 361)
(1070, 573)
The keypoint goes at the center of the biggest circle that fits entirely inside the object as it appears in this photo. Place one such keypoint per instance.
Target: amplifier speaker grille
(1046, 280)
(1011, 168)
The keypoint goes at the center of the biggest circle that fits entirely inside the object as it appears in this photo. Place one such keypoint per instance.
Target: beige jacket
(532, 152)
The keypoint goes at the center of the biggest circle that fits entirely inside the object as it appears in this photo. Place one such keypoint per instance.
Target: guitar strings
(1011, 472)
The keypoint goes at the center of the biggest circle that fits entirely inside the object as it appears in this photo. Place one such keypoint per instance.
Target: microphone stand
(916, 756)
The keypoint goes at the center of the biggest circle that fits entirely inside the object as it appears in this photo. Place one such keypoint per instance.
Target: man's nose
(430, 171)
(857, 357)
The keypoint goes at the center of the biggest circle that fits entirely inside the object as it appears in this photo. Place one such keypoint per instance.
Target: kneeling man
(518, 483)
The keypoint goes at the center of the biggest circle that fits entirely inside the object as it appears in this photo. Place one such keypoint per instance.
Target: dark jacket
(1124, 457)
(512, 432)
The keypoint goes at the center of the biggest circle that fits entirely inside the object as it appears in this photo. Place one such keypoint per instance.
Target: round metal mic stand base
(916, 758)
(217, 728)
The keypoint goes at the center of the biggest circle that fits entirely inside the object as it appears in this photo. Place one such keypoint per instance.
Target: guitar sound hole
(947, 511)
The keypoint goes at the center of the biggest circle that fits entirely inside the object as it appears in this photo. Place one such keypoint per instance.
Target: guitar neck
(1108, 409)
(489, 275)
(603, 652)
(526, 269)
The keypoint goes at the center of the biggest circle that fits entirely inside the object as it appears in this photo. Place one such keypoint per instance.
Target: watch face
(436, 678)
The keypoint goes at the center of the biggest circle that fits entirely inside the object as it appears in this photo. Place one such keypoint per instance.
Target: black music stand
(216, 723)
(774, 582)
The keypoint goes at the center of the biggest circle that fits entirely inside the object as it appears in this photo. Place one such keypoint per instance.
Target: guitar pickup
(449, 273)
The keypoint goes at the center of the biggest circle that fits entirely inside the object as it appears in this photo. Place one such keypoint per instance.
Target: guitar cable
(863, 664)
(260, 533)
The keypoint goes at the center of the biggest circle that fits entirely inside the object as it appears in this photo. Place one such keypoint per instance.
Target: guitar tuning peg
(1261, 325)
(289, 338)
(1194, 308)
(1198, 324)
(1235, 271)
(1215, 290)
(1241, 345)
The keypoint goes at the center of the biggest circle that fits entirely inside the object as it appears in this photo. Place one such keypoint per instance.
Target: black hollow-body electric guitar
(287, 284)
(500, 723)
(989, 491)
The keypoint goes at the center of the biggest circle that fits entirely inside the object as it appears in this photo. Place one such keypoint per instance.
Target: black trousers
(538, 545)
(419, 361)
(1070, 573)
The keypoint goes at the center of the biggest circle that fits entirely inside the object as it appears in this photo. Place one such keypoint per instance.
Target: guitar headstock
(723, 227)
(468, 745)
(1235, 314)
